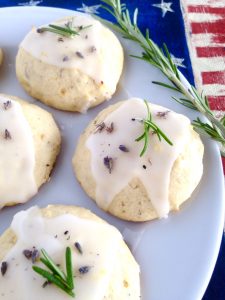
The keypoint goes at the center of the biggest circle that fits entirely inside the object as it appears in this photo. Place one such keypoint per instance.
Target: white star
(178, 61)
(30, 3)
(89, 9)
(165, 7)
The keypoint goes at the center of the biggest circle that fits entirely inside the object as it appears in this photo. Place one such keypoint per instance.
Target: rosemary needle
(67, 31)
(69, 268)
(53, 279)
(56, 276)
(51, 265)
(149, 124)
(161, 59)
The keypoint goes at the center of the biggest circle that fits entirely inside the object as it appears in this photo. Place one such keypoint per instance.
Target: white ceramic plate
(177, 255)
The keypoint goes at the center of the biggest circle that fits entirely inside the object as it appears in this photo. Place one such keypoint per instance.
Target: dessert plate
(176, 255)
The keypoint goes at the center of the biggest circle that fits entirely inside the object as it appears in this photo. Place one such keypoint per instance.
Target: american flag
(205, 31)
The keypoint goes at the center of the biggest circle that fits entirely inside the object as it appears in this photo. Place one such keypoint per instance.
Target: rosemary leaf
(141, 137)
(173, 66)
(69, 268)
(46, 263)
(159, 132)
(67, 31)
(223, 120)
(53, 279)
(146, 139)
(53, 267)
(56, 276)
(148, 124)
(185, 102)
(166, 85)
(206, 129)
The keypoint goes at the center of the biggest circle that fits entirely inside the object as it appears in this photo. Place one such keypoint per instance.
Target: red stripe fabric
(205, 30)
(210, 51)
(206, 9)
(217, 102)
(218, 38)
(208, 27)
(215, 77)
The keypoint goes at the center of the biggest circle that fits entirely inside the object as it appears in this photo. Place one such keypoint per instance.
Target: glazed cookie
(103, 266)
(109, 167)
(30, 143)
(70, 73)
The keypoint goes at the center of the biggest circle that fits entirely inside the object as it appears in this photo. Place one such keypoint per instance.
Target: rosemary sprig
(161, 59)
(149, 124)
(68, 30)
(56, 276)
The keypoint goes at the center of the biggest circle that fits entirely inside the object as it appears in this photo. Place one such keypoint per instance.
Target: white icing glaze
(17, 155)
(158, 159)
(90, 43)
(100, 245)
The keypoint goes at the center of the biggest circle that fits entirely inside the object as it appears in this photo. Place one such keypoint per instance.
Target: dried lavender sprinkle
(32, 254)
(35, 255)
(108, 162)
(7, 135)
(65, 58)
(79, 54)
(7, 104)
(84, 270)
(110, 128)
(92, 49)
(46, 283)
(39, 30)
(99, 127)
(27, 253)
(4, 267)
(123, 148)
(78, 247)
(162, 114)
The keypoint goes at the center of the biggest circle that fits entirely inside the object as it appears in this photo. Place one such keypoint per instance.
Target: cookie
(102, 264)
(30, 143)
(110, 168)
(70, 73)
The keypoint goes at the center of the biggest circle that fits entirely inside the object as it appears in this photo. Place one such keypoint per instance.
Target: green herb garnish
(68, 30)
(149, 124)
(56, 276)
(161, 59)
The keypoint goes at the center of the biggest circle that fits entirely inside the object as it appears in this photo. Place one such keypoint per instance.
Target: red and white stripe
(205, 31)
